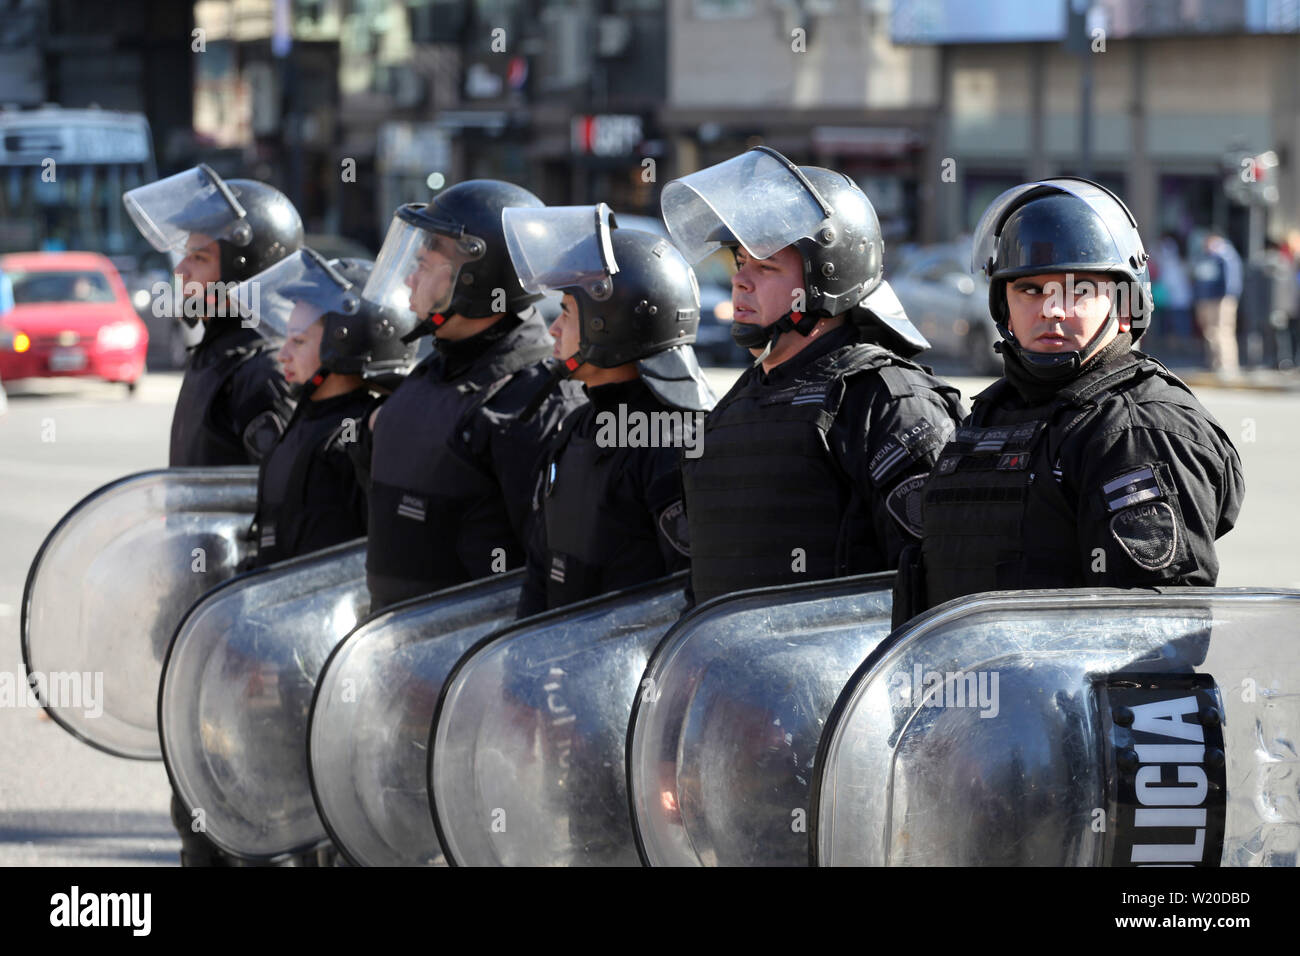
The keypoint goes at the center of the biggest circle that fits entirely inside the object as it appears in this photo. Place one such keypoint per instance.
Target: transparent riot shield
(724, 732)
(236, 691)
(1071, 728)
(370, 720)
(111, 582)
(526, 761)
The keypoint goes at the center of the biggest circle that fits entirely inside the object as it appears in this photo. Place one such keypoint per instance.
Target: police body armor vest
(436, 515)
(196, 438)
(284, 497)
(996, 517)
(584, 530)
(766, 502)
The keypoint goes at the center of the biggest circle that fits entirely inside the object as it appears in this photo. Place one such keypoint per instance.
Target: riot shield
(111, 582)
(724, 732)
(526, 761)
(372, 712)
(236, 689)
(1071, 728)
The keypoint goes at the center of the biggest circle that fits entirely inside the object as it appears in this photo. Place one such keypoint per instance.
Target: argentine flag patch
(1132, 488)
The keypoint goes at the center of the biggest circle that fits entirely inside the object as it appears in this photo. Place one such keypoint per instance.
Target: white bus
(62, 175)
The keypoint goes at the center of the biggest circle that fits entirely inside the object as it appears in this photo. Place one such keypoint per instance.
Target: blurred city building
(1190, 109)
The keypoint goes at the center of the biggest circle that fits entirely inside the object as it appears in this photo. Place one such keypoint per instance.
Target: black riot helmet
(455, 242)
(1064, 225)
(638, 299)
(763, 202)
(254, 224)
(359, 336)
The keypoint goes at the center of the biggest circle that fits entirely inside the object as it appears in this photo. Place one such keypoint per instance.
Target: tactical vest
(995, 514)
(585, 531)
(436, 515)
(196, 437)
(284, 498)
(766, 502)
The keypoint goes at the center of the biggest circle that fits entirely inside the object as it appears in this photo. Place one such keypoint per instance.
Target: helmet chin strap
(304, 390)
(1052, 367)
(426, 326)
(750, 336)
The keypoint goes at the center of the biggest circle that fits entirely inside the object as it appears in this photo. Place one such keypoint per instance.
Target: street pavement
(63, 802)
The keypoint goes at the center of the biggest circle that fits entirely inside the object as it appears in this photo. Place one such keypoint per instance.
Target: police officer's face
(300, 354)
(430, 281)
(567, 331)
(202, 262)
(763, 290)
(1060, 312)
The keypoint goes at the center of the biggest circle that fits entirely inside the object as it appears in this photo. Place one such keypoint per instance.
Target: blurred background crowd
(1188, 109)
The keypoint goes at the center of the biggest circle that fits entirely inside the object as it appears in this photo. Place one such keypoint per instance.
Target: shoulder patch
(920, 442)
(1133, 487)
(1148, 534)
(904, 504)
(673, 526)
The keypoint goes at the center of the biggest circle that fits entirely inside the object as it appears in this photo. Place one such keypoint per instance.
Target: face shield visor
(758, 198)
(195, 202)
(420, 262)
(295, 292)
(557, 248)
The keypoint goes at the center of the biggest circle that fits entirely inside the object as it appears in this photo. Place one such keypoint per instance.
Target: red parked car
(71, 315)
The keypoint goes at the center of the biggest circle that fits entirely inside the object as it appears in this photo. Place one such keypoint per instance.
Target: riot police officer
(451, 452)
(608, 502)
(233, 403)
(1088, 464)
(336, 344)
(812, 463)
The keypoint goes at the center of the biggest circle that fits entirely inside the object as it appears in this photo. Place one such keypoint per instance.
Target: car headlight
(21, 342)
(724, 311)
(140, 298)
(118, 335)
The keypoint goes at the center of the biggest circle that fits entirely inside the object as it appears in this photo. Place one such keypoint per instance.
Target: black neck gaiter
(1035, 391)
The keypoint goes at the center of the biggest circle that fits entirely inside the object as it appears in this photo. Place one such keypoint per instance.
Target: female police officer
(336, 343)
(1088, 464)
(608, 508)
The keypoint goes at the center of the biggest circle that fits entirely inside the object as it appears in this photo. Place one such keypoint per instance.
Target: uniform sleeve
(532, 599)
(1156, 485)
(658, 488)
(259, 404)
(889, 433)
(516, 446)
(360, 451)
(337, 502)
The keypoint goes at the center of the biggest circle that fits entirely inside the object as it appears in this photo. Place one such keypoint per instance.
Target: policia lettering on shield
(1088, 464)
(449, 456)
(812, 463)
(233, 403)
(609, 516)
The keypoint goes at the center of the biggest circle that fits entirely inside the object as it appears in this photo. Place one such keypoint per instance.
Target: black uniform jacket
(233, 403)
(608, 503)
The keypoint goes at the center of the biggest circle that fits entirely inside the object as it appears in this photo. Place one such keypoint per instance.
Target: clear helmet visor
(195, 202)
(561, 247)
(418, 268)
(294, 293)
(1112, 213)
(754, 198)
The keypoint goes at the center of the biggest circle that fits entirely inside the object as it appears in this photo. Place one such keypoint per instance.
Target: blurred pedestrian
(1172, 290)
(1217, 287)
